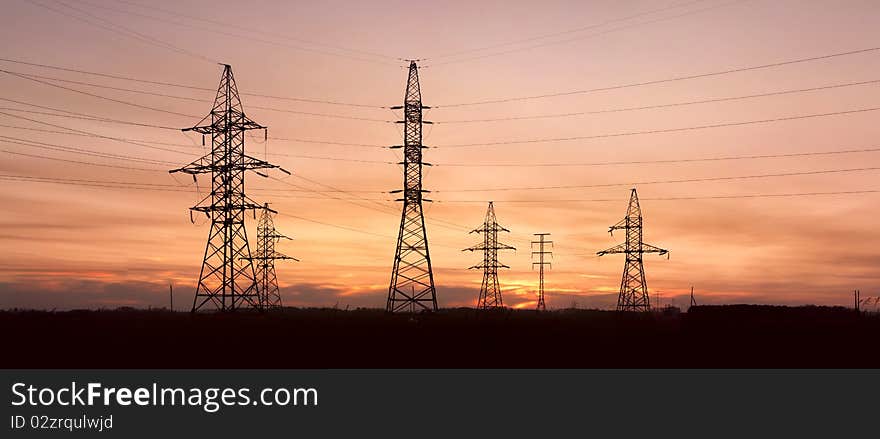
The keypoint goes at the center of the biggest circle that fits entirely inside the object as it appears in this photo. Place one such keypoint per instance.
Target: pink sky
(67, 246)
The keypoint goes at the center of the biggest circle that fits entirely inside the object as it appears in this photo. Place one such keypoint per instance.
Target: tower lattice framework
(490, 290)
(412, 279)
(264, 260)
(633, 288)
(542, 253)
(227, 280)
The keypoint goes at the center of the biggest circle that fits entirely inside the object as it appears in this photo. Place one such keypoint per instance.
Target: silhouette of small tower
(267, 281)
(490, 291)
(541, 253)
(412, 279)
(633, 288)
(693, 299)
(227, 279)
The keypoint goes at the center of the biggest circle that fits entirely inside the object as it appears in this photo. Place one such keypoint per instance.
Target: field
(733, 336)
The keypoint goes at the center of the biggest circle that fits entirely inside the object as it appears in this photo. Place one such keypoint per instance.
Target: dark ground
(734, 336)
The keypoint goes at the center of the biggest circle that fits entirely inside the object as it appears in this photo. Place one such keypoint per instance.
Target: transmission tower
(541, 253)
(633, 288)
(227, 279)
(412, 280)
(490, 291)
(267, 281)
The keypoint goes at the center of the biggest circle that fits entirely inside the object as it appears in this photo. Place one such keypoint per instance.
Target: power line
(96, 95)
(337, 226)
(595, 34)
(239, 36)
(101, 119)
(175, 188)
(191, 87)
(121, 30)
(707, 197)
(96, 183)
(565, 32)
(68, 133)
(647, 162)
(479, 165)
(73, 116)
(83, 116)
(674, 104)
(109, 120)
(90, 134)
(661, 131)
(381, 208)
(662, 81)
(187, 98)
(133, 168)
(76, 150)
(688, 180)
(152, 7)
(327, 142)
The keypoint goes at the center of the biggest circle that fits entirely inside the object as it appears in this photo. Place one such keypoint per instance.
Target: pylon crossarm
(255, 163)
(223, 208)
(619, 226)
(619, 248)
(648, 248)
(243, 125)
(202, 165)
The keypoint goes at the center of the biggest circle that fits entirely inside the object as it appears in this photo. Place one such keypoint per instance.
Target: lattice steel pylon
(227, 279)
(412, 279)
(267, 280)
(633, 288)
(541, 254)
(490, 290)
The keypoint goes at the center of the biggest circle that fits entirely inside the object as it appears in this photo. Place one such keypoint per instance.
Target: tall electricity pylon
(633, 288)
(412, 279)
(541, 253)
(490, 291)
(267, 281)
(227, 279)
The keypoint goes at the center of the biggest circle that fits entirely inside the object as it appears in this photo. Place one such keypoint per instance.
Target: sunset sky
(114, 243)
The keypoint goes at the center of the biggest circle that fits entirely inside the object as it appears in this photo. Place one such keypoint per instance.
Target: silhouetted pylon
(412, 279)
(227, 279)
(267, 280)
(490, 290)
(633, 288)
(541, 254)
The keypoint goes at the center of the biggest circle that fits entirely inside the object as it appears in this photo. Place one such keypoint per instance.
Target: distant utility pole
(227, 280)
(633, 294)
(412, 279)
(267, 281)
(490, 290)
(856, 297)
(541, 253)
(693, 300)
(171, 296)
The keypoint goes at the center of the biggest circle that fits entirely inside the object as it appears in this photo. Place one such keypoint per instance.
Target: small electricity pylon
(693, 299)
(633, 288)
(227, 279)
(267, 280)
(412, 279)
(541, 253)
(490, 291)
